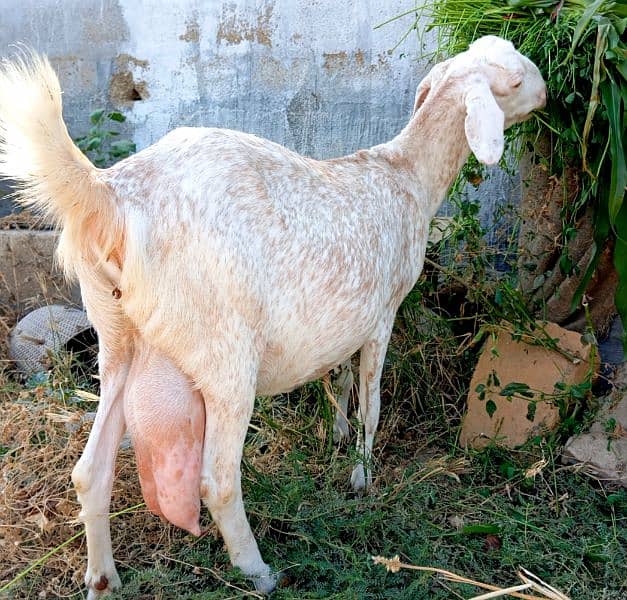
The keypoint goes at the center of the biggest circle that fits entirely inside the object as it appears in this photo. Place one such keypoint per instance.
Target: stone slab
(519, 362)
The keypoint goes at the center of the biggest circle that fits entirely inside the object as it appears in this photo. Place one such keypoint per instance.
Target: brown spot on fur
(399, 161)
(101, 584)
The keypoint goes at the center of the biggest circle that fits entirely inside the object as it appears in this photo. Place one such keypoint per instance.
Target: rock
(603, 457)
(540, 247)
(603, 450)
(538, 369)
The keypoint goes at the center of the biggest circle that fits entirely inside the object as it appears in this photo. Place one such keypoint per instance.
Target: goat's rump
(166, 420)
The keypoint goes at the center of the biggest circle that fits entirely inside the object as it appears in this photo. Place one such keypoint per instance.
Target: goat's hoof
(100, 584)
(360, 482)
(264, 584)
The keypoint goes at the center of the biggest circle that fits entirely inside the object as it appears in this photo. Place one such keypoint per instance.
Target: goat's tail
(36, 152)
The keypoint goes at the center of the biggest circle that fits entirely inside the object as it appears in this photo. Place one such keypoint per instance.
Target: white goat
(220, 262)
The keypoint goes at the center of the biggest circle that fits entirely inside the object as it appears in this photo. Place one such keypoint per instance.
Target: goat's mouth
(521, 117)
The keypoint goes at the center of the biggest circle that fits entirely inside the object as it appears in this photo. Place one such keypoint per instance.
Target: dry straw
(530, 581)
(41, 542)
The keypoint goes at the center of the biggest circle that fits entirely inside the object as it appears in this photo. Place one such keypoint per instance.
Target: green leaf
(620, 263)
(601, 231)
(617, 498)
(514, 388)
(116, 116)
(508, 470)
(95, 116)
(490, 407)
(580, 390)
(531, 411)
(498, 297)
(566, 264)
(480, 334)
(610, 425)
(479, 529)
(94, 143)
(122, 148)
(583, 23)
(612, 100)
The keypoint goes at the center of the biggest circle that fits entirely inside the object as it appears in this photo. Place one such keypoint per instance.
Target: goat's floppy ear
(484, 123)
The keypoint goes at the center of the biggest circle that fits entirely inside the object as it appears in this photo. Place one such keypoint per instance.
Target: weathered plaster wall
(311, 74)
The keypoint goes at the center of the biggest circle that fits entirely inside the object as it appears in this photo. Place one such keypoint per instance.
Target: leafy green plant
(98, 144)
(580, 49)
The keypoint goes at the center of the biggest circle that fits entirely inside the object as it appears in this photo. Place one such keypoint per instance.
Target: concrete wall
(311, 74)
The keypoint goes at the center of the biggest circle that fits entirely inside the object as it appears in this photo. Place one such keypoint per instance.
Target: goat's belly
(272, 383)
(309, 338)
(285, 368)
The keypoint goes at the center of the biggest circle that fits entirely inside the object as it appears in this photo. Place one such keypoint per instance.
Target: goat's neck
(433, 149)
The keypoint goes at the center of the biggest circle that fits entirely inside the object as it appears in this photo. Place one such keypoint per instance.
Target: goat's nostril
(542, 98)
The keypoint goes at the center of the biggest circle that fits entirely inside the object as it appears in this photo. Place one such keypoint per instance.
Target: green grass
(563, 527)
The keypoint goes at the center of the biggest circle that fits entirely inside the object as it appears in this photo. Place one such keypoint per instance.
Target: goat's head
(498, 87)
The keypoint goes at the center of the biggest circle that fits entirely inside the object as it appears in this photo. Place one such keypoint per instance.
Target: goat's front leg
(371, 358)
(227, 417)
(93, 476)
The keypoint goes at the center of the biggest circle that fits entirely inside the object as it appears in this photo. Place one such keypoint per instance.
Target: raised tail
(36, 152)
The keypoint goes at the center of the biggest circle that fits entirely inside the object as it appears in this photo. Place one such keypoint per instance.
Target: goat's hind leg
(228, 413)
(93, 475)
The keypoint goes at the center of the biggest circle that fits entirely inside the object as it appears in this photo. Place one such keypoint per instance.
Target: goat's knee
(81, 476)
(219, 493)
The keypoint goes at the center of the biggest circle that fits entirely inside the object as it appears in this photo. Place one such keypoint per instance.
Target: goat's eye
(517, 85)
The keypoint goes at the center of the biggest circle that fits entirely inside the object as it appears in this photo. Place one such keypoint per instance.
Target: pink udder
(166, 420)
